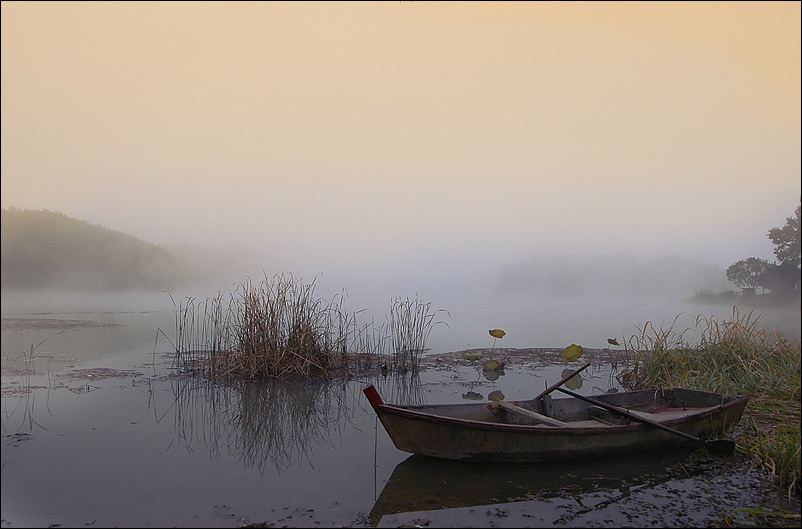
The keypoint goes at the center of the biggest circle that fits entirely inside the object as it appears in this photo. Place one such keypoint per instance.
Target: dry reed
(279, 328)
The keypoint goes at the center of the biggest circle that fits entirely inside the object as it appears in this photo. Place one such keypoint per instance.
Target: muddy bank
(526, 357)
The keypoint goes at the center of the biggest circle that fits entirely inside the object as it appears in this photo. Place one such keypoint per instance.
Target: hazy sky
(446, 140)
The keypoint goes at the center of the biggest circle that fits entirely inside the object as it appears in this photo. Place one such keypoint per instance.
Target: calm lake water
(97, 433)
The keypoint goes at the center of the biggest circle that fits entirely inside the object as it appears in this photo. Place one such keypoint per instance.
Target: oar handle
(561, 382)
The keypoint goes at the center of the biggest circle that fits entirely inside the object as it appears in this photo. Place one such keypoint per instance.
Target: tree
(746, 273)
(787, 247)
(781, 279)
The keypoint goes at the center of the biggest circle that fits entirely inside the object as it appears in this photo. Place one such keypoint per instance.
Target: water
(96, 432)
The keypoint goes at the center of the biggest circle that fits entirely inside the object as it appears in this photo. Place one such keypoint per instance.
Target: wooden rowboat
(546, 429)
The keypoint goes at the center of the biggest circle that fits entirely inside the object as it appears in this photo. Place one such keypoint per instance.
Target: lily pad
(472, 355)
(472, 395)
(497, 333)
(491, 365)
(572, 353)
(496, 396)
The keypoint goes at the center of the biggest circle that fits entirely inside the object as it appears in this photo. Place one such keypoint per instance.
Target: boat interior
(656, 404)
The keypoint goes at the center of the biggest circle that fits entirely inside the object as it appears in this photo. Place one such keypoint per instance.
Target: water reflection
(22, 404)
(402, 388)
(421, 483)
(574, 382)
(272, 423)
(491, 375)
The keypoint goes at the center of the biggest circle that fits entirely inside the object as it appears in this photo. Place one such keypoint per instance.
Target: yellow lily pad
(497, 333)
(490, 365)
(572, 353)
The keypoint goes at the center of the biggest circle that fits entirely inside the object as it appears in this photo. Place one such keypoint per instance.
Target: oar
(561, 382)
(721, 446)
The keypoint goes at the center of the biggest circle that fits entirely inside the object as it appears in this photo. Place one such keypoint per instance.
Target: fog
(540, 302)
(559, 170)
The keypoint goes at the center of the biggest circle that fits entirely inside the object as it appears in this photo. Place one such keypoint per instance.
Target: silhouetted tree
(782, 279)
(746, 273)
(787, 246)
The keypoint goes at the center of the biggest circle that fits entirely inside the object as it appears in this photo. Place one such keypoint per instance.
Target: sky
(423, 147)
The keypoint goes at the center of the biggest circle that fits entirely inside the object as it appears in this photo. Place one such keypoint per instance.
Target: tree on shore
(784, 275)
(787, 246)
(781, 277)
(746, 273)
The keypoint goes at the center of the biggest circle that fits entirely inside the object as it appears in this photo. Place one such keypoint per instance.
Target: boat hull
(448, 432)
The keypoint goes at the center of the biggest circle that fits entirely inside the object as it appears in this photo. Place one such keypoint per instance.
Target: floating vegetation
(491, 365)
(495, 396)
(733, 357)
(473, 355)
(279, 328)
(497, 334)
(491, 369)
(472, 395)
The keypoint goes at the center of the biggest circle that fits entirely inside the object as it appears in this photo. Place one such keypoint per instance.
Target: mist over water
(548, 301)
(550, 169)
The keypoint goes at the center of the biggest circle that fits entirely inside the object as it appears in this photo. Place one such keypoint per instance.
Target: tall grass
(409, 324)
(733, 357)
(280, 328)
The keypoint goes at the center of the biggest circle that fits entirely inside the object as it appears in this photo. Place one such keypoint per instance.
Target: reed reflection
(274, 422)
(401, 387)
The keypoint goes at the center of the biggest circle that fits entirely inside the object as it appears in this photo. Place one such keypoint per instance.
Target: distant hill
(45, 249)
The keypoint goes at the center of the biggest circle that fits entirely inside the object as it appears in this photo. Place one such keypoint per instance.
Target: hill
(45, 249)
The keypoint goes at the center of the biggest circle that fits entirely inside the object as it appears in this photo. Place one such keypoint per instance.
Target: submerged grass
(279, 328)
(732, 357)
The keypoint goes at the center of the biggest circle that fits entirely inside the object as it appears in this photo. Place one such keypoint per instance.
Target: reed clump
(279, 328)
(732, 357)
(409, 323)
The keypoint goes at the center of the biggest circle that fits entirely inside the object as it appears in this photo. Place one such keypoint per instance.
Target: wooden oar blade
(720, 446)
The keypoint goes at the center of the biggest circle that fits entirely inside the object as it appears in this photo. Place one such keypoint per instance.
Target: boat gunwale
(543, 428)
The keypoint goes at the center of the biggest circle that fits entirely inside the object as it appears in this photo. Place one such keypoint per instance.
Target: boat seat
(509, 406)
(602, 421)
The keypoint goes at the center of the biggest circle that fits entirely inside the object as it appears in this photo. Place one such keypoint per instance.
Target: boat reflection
(421, 483)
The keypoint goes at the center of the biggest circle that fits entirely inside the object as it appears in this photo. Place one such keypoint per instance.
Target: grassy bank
(733, 357)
